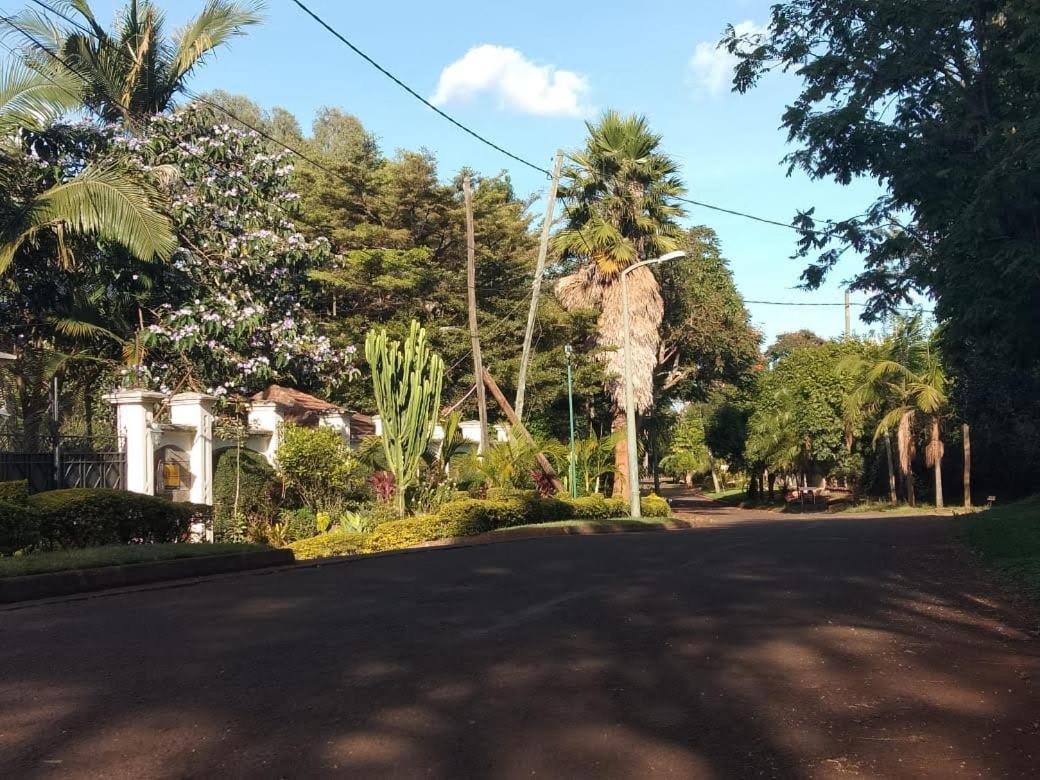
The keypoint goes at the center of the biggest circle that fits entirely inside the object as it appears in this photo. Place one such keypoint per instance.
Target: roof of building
(304, 409)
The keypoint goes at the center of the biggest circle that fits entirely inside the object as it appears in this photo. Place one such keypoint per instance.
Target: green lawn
(613, 522)
(1008, 540)
(96, 557)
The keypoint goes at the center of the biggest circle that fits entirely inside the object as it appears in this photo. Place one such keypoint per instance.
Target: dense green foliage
(15, 492)
(317, 466)
(936, 102)
(19, 527)
(81, 517)
(244, 481)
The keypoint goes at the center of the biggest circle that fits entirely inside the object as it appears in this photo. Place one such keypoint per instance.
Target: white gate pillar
(196, 410)
(135, 414)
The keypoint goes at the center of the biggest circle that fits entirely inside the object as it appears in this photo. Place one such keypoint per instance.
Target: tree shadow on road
(780, 649)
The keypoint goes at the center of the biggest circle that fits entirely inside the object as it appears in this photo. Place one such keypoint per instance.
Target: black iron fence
(50, 463)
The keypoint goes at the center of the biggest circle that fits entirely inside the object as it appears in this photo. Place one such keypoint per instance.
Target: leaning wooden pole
(471, 301)
(536, 287)
(507, 410)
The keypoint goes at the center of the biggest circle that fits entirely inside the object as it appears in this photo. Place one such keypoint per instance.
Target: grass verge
(1007, 538)
(98, 557)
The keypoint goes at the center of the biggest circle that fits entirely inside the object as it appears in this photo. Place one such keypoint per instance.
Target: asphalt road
(806, 648)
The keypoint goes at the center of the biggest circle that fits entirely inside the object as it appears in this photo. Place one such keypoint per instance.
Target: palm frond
(79, 329)
(30, 100)
(219, 22)
(102, 201)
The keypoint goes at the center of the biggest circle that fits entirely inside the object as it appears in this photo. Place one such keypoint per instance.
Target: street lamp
(573, 466)
(630, 407)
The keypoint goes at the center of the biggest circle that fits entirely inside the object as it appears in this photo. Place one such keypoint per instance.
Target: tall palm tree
(620, 191)
(910, 375)
(102, 200)
(135, 71)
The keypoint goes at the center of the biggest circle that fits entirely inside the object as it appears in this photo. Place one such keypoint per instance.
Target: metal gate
(67, 462)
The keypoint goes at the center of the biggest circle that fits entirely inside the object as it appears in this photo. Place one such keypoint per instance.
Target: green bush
(15, 491)
(299, 523)
(319, 467)
(328, 545)
(258, 492)
(82, 517)
(19, 527)
(410, 531)
(655, 506)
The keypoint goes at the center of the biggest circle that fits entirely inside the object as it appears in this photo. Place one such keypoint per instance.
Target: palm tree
(621, 193)
(103, 200)
(910, 375)
(135, 71)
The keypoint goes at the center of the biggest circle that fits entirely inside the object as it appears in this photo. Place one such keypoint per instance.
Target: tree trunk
(688, 479)
(620, 457)
(772, 485)
(937, 465)
(966, 429)
(891, 470)
(911, 493)
(715, 479)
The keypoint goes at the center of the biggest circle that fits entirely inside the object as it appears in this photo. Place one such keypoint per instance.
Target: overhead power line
(415, 94)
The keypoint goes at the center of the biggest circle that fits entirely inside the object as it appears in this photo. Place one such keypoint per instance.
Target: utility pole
(536, 287)
(966, 432)
(471, 290)
(572, 470)
(848, 317)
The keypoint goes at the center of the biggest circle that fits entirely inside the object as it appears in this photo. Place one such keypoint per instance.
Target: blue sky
(544, 68)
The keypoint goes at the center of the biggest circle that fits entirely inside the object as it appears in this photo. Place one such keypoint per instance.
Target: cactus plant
(406, 380)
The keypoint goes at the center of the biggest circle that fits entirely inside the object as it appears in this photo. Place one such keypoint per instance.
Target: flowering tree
(238, 319)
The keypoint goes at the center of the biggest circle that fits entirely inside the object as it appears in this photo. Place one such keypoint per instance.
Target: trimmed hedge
(470, 517)
(328, 545)
(82, 517)
(655, 506)
(258, 491)
(19, 527)
(15, 492)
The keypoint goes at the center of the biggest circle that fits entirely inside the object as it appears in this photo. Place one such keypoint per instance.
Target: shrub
(655, 506)
(317, 464)
(410, 531)
(327, 545)
(299, 524)
(258, 491)
(15, 491)
(592, 507)
(19, 527)
(82, 517)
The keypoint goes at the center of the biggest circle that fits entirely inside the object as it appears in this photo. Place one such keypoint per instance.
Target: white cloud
(712, 67)
(518, 83)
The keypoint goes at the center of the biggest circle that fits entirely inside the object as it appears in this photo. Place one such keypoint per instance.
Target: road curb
(65, 583)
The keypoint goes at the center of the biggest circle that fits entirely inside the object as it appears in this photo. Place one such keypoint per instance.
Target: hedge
(328, 545)
(15, 491)
(258, 490)
(470, 517)
(82, 517)
(19, 527)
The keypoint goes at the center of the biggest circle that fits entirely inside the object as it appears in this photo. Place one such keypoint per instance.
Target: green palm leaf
(30, 100)
(219, 22)
(102, 201)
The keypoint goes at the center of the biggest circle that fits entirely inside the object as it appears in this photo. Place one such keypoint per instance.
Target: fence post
(135, 413)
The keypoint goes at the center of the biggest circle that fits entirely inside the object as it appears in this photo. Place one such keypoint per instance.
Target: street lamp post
(630, 408)
(573, 466)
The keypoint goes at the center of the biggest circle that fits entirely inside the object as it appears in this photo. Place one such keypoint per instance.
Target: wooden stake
(536, 287)
(471, 292)
(507, 410)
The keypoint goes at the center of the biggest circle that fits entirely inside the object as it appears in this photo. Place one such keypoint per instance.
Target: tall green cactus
(407, 383)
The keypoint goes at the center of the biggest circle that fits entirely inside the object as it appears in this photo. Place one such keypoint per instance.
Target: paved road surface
(749, 648)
